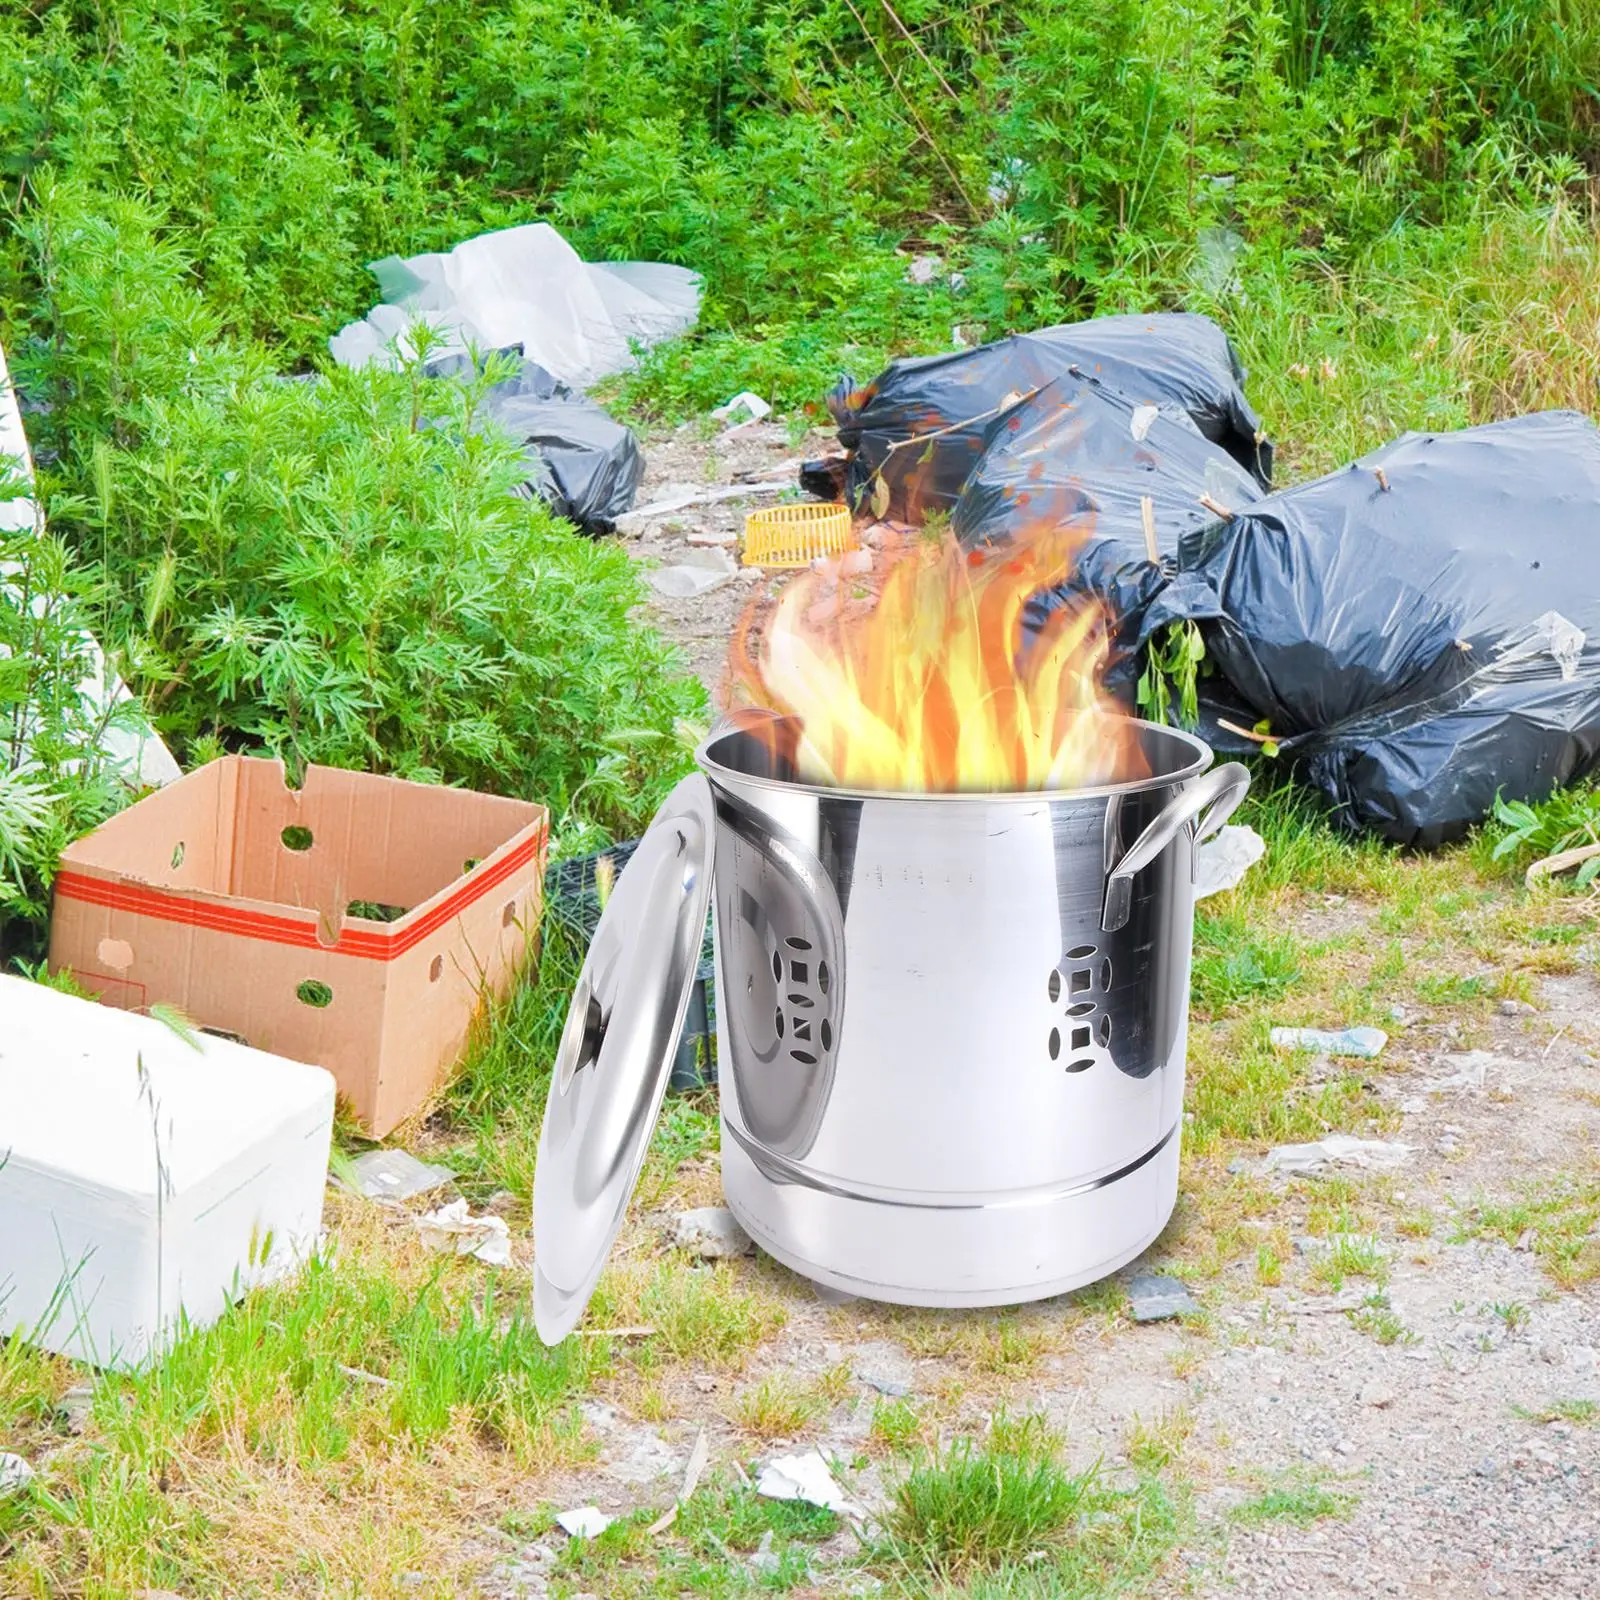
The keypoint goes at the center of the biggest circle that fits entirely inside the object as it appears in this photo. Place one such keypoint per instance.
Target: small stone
(1525, 1240)
(710, 1232)
(855, 563)
(1154, 1299)
(1552, 1353)
(1488, 1468)
(15, 1473)
(711, 538)
(1377, 1394)
(704, 1383)
(1516, 1008)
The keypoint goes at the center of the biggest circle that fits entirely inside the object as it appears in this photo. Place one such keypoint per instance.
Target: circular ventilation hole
(436, 969)
(509, 914)
(1054, 987)
(824, 977)
(798, 944)
(777, 967)
(1081, 1065)
(1081, 1009)
(827, 1034)
(469, 864)
(1080, 952)
(1105, 975)
(1055, 1043)
(804, 1056)
(313, 992)
(778, 1024)
(1105, 1031)
(297, 838)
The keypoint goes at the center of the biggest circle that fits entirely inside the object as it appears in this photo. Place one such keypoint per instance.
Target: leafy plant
(1568, 819)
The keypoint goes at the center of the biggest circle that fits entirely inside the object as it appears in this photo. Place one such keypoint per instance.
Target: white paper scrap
(584, 1523)
(453, 1230)
(807, 1478)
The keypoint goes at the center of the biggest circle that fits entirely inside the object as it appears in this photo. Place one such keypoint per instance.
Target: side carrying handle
(1216, 793)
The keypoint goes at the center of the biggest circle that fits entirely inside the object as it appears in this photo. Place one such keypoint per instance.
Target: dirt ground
(1454, 1425)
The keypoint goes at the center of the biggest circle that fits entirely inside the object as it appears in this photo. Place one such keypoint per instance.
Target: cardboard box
(239, 900)
(145, 1178)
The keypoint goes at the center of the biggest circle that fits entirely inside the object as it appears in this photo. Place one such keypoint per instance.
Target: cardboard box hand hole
(237, 923)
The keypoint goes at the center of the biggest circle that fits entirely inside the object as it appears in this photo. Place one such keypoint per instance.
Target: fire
(930, 689)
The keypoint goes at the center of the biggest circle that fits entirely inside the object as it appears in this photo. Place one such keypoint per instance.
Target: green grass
(1296, 1497)
(1561, 1214)
(1580, 1413)
(1007, 1516)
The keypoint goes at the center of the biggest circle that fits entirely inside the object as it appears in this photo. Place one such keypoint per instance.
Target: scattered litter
(16, 1474)
(755, 407)
(683, 499)
(75, 1407)
(583, 463)
(585, 1522)
(1338, 1149)
(1153, 1298)
(642, 1330)
(807, 1477)
(1221, 861)
(396, 1175)
(923, 270)
(453, 1230)
(766, 1560)
(356, 1375)
(711, 1232)
(1378, 1395)
(1351, 1301)
(1517, 1008)
(685, 580)
(1471, 1069)
(525, 286)
(1364, 1043)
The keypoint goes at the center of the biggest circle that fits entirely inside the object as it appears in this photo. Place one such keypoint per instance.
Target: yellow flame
(930, 689)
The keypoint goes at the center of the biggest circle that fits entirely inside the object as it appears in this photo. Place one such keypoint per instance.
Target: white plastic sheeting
(525, 286)
(131, 743)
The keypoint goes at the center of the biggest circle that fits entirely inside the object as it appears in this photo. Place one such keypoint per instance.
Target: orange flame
(930, 689)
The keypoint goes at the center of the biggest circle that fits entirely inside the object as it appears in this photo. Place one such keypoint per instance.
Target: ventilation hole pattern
(1087, 988)
(801, 1021)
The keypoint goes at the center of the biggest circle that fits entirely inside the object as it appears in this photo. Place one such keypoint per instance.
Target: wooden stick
(1564, 861)
(1216, 508)
(1147, 515)
(1248, 733)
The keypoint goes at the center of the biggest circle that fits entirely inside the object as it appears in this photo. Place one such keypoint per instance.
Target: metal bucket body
(944, 1079)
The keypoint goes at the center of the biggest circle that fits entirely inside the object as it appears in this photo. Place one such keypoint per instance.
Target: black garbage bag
(1423, 627)
(1082, 453)
(581, 461)
(917, 431)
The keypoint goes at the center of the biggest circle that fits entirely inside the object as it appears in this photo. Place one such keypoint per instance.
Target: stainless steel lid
(616, 1055)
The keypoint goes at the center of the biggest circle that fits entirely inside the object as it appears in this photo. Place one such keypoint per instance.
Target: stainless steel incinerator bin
(951, 1036)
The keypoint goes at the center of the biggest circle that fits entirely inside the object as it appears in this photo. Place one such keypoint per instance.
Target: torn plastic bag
(1081, 452)
(1421, 628)
(525, 286)
(918, 430)
(583, 462)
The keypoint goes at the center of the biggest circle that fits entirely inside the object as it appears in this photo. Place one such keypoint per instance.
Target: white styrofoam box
(143, 1177)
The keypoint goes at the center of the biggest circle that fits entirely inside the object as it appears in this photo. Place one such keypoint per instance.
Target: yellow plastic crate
(797, 535)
